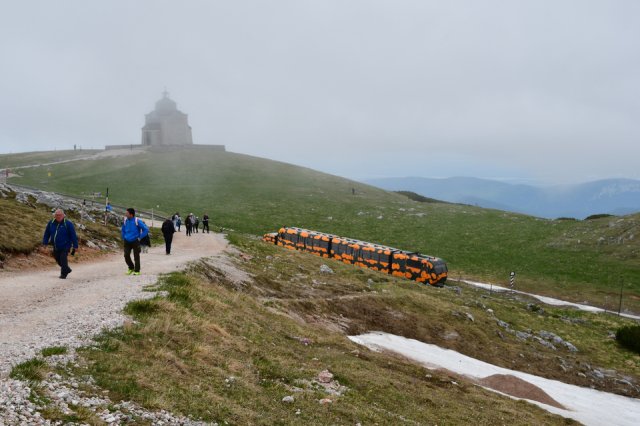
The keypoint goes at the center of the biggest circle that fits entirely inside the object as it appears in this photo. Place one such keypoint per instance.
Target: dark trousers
(167, 242)
(135, 246)
(196, 228)
(205, 225)
(188, 230)
(61, 259)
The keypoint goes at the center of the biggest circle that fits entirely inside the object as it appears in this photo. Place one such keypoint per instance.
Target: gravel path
(39, 310)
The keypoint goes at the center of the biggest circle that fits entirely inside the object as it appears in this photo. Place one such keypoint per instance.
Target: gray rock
(288, 399)
(451, 335)
(325, 269)
(544, 343)
(503, 324)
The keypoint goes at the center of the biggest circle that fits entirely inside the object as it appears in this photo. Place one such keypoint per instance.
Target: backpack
(146, 241)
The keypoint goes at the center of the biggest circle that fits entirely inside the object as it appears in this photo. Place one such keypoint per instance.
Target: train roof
(363, 243)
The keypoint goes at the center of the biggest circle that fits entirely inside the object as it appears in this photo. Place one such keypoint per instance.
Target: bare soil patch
(514, 386)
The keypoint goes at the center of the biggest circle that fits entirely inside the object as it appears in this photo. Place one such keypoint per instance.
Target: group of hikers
(60, 232)
(191, 223)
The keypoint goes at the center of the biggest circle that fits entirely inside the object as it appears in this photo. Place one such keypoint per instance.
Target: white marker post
(512, 280)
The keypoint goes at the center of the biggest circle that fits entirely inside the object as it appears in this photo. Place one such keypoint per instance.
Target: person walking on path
(174, 220)
(178, 222)
(168, 230)
(205, 223)
(133, 229)
(188, 222)
(61, 233)
(196, 223)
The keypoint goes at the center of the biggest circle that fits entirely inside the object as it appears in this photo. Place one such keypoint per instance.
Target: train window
(414, 263)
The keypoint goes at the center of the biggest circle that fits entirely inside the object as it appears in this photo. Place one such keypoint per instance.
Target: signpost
(106, 206)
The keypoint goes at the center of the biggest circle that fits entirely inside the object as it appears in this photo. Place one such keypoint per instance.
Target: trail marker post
(106, 206)
(512, 280)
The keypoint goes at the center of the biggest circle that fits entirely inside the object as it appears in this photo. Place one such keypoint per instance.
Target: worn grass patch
(465, 319)
(226, 357)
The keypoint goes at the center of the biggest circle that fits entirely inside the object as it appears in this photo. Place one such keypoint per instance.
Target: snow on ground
(545, 299)
(585, 405)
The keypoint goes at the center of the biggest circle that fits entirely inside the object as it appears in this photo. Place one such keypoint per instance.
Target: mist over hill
(612, 196)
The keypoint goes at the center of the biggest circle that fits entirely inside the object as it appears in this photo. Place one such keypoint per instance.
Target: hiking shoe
(130, 271)
(136, 273)
(63, 277)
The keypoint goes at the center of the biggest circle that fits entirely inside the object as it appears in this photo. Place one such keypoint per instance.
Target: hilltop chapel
(166, 125)
(166, 129)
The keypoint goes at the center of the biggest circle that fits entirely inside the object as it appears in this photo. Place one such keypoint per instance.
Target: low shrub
(629, 337)
(597, 216)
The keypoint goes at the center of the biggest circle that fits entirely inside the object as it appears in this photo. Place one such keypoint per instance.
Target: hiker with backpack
(133, 230)
(61, 233)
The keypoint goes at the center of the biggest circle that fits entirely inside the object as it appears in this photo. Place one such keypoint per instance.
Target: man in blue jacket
(133, 230)
(61, 233)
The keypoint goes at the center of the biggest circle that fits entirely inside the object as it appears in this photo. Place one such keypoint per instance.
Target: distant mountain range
(611, 196)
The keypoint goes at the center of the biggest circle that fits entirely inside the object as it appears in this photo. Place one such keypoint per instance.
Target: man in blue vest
(61, 233)
(133, 230)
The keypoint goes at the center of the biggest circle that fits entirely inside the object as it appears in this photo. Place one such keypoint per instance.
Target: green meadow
(584, 261)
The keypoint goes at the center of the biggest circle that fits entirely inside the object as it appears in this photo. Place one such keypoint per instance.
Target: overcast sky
(540, 90)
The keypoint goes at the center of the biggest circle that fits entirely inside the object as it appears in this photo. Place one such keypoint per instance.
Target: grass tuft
(31, 370)
(53, 350)
(142, 308)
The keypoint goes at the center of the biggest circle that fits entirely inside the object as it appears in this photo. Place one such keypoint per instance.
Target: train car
(288, 238)
(320, 244)
(271, 237)
(414, 266)
(346, 250)
(377, 257)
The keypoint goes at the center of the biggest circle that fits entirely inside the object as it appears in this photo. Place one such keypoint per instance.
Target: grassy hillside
(41, 157)
(578, 260)
(22, 227)
(230, 351)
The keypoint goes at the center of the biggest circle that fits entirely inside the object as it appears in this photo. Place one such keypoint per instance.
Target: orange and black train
(414, 266)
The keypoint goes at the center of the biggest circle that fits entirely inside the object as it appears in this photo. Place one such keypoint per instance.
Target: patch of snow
(585, 405)
(548, 300)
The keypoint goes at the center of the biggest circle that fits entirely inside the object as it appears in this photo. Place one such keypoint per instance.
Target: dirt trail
(38, 309)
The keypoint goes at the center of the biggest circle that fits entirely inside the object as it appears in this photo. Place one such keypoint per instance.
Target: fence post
(620, 304)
